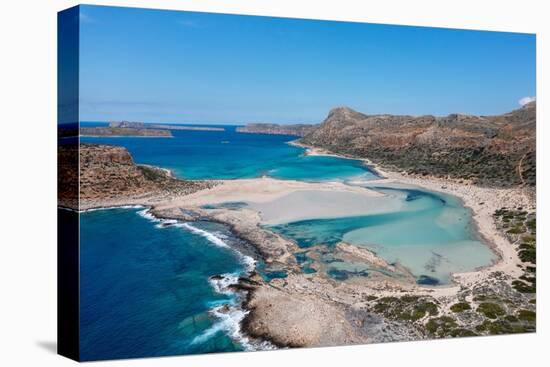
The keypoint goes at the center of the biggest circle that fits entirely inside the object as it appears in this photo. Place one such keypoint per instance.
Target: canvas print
(242, 183)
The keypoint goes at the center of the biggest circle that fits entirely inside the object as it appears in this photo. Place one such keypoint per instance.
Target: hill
(486, 150)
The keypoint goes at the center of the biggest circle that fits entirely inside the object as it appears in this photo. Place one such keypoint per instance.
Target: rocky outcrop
(275, 129)
(365, 254)
(124, 131)
(107, 175)
(486, 150)
(290, 318)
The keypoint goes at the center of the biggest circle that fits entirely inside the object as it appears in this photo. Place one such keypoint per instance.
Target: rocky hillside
(123, 131)
(108, 173)
(486, 150)
(260, 128)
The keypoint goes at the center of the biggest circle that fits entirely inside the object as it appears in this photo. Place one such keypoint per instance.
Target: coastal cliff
(108, 176)
(497, 151)
(276, 129)
(124, 131)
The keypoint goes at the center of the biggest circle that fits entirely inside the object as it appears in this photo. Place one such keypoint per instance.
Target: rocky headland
(107, 176)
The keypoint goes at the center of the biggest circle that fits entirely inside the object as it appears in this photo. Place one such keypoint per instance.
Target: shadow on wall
(50, 346)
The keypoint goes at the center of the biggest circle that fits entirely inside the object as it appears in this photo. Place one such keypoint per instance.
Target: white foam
(145, 213)
(230, 318)
(216, 239)
(222, 284)
(229, 315)
(209, 236)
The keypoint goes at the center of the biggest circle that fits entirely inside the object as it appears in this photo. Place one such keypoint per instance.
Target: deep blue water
(145, 290)
(229, 155)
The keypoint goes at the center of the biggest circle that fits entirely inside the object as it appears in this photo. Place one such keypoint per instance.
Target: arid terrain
(108, 176)
(497, 151)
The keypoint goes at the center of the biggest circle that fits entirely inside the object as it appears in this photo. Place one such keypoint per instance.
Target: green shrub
(526, 315)
(516, 230)
(490, 310)
(523, 287)
(511, 318)
(441, 326)
(528, 255)
(461, 307)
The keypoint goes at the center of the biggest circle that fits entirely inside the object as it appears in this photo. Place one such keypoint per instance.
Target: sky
(172, 66)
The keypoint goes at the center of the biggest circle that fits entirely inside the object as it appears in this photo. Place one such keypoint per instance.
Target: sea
(154, 287)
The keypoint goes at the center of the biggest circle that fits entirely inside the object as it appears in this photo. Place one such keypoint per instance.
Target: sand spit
(261, 190)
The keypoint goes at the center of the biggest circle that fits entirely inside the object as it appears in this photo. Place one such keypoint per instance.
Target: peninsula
(124, 131)
(142, 125)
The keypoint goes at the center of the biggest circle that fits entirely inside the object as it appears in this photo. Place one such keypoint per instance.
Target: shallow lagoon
(430, 234)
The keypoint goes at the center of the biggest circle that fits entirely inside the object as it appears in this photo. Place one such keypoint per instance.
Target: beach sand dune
(318, 204)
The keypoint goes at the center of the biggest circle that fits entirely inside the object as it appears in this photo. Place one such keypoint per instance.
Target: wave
(230, 314)
(214, 238)
(146, 213)
(209, 236)
(230, 317)
(218, 240)
(222, 283)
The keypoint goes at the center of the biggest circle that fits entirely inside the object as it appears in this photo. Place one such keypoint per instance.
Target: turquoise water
(145, 288)
(229, 155)
(431, 235)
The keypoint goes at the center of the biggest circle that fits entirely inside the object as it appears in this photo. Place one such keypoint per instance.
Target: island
(124, 131)
(276, 129)
(142, 125)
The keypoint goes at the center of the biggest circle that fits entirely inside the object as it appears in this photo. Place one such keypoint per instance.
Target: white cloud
(526, 100)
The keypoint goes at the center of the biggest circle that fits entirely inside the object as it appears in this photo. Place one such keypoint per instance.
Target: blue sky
(171, 66)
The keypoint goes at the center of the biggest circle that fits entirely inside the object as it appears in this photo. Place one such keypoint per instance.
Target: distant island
(124, 131)
(276, 129)
(142, 125)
